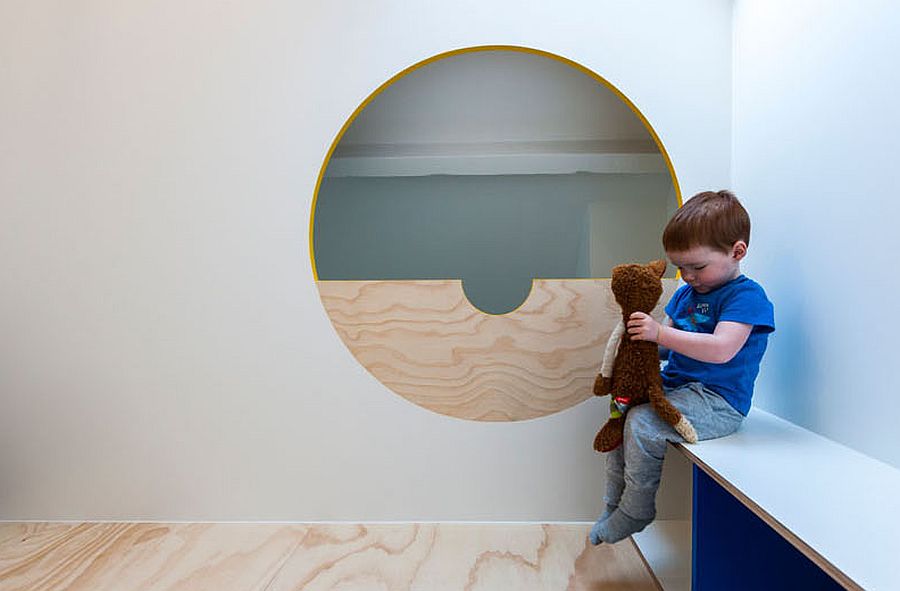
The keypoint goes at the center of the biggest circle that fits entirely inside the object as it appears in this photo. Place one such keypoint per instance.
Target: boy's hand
(642, 327)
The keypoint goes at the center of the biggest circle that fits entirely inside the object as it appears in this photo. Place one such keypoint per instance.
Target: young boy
(714, 338)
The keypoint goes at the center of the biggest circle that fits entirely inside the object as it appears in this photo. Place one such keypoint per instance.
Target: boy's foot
(595, 539)
(618, 526)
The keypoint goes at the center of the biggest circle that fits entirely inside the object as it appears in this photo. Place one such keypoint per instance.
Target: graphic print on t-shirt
(697, 316)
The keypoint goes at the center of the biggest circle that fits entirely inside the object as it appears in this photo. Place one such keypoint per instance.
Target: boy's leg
(643, 453)
(615, 476)
(615, 484)
(645, 448)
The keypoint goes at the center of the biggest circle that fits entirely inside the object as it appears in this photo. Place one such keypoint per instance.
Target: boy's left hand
(642, 327)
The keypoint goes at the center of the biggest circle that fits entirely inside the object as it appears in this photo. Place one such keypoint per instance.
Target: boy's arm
(664, 351)
(719, 347)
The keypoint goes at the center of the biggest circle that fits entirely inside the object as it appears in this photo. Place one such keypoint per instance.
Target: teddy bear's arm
(612, 347)
(603, 383)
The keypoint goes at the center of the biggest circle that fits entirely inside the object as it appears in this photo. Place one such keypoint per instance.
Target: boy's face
(705, 268)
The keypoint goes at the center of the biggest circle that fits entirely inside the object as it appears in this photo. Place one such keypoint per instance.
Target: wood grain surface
(427, 343)
(282, 557)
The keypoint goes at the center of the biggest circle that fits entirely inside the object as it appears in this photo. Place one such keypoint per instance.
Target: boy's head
(715, 219)
(707, 238)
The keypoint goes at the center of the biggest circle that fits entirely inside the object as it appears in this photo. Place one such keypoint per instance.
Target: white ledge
(494, 158)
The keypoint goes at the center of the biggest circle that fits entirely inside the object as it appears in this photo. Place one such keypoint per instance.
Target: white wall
(164, 354)
(815, 147)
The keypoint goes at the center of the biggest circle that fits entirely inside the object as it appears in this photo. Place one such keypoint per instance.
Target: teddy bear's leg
(686, 430)
(671, 415)
(610, 436)
(602, 385)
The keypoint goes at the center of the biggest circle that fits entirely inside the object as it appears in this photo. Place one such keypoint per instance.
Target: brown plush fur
(635, 374)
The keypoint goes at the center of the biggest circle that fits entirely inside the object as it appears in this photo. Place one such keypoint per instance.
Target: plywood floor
(278, 557)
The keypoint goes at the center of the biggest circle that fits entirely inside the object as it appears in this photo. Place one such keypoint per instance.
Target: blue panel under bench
(733, 549)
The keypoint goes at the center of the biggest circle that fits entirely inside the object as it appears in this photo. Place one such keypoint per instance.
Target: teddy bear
(630, 370)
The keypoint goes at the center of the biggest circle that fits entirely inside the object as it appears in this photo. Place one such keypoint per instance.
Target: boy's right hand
(642, 327)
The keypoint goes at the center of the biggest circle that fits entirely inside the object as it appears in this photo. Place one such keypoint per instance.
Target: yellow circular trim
(461, 51)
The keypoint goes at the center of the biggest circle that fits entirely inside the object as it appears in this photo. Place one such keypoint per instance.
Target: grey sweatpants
(633, 469)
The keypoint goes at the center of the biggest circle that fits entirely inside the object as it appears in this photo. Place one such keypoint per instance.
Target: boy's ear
(658, 267)
(739, 250)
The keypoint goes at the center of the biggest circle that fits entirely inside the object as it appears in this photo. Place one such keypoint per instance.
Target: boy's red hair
(715, 219)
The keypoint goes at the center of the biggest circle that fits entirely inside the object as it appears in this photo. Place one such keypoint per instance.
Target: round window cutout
(466, 222)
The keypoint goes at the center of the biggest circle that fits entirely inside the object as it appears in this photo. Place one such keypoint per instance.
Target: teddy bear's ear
(658, 267)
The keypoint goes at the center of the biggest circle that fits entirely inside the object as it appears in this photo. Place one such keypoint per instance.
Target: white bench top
(839, 507)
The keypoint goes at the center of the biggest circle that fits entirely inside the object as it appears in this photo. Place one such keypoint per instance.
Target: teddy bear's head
(637, 287)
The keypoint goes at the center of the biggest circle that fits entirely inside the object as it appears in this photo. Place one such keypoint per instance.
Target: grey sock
(610, 509)
(618, 526)
(607, 512)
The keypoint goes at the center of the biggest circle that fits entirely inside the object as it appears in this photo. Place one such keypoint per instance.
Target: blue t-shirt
(739, 300)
